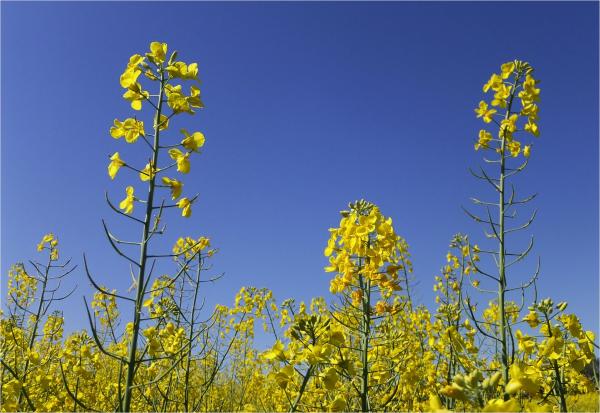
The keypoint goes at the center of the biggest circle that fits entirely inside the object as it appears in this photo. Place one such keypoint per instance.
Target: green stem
(558, 382)
(364, 343)
(131, 361)
(36, 325)
(302, 388)
(190, 337)
(502, 246)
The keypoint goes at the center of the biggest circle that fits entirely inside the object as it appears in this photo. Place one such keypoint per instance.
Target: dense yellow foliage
(367, 347)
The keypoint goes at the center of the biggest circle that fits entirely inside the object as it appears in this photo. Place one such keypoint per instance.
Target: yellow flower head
(148, 172)
(182, 159)
(130, 128)
(532, 319)
(502, 93)
(46, 239)
(163, 122)
(514, 147)
(127, 204)
(175, 185)
(507, 69)
(192, 142)
(136, 95)
(183, 71)
(158, 52)
(532, 128)
(186, 207)
(484, 140)
(484, 112)
(115, 164)
(494, 83)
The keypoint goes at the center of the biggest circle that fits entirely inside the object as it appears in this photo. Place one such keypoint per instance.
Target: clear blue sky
(308, 106)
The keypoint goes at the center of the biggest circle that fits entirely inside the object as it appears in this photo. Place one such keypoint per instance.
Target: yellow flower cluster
(515, 80)
(156, 68)
(365, 245)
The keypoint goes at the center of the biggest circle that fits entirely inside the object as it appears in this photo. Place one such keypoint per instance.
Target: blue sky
(308, 106)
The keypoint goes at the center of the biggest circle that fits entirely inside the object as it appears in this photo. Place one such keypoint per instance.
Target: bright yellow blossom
(507, 69)
(502, 93)
(158, 52)
(127, 204)
(186, 207)
(494, 83)
(532, 128)
(484, 112)
(115, 164)
(183, 71)
(130, 128)
(514, 147)
(148, 172)
(192, 142)
(183, 163)
(136, 96)
(175, 185)
(484, 140)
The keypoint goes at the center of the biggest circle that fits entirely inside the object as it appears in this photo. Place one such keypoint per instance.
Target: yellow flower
(484, 112)
(192, 142)
(130, 128)
(127, 204)
(502, 93)
(532, 319)
(484, 139)
(521, 380)
(530, 93)
(148, 172)
(175, 186)
(508, 126)
(194, 98)
(514, 147)
(276, 351)
(115, 164)
(129, 77)
(338, 404)
(45, 240)
(176, 100)
(530, 110)
(380, 307)
(435, 404)
(163, 123)
(136, 95)
(158, 52)
(183, 71)
(532, 128)
(494, 83)
(183, 163)
(507, 69)
(527, 151)
(526, 343)
(132, 71)
(330, 378)
(186, 207)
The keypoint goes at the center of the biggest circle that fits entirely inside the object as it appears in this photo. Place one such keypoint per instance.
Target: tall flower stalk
(170, 97)
(513, 109)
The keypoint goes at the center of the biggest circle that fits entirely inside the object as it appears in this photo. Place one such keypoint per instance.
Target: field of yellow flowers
(368, 347)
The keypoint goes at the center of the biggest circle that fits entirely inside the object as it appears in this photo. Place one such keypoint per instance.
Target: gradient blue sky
(308, 106)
